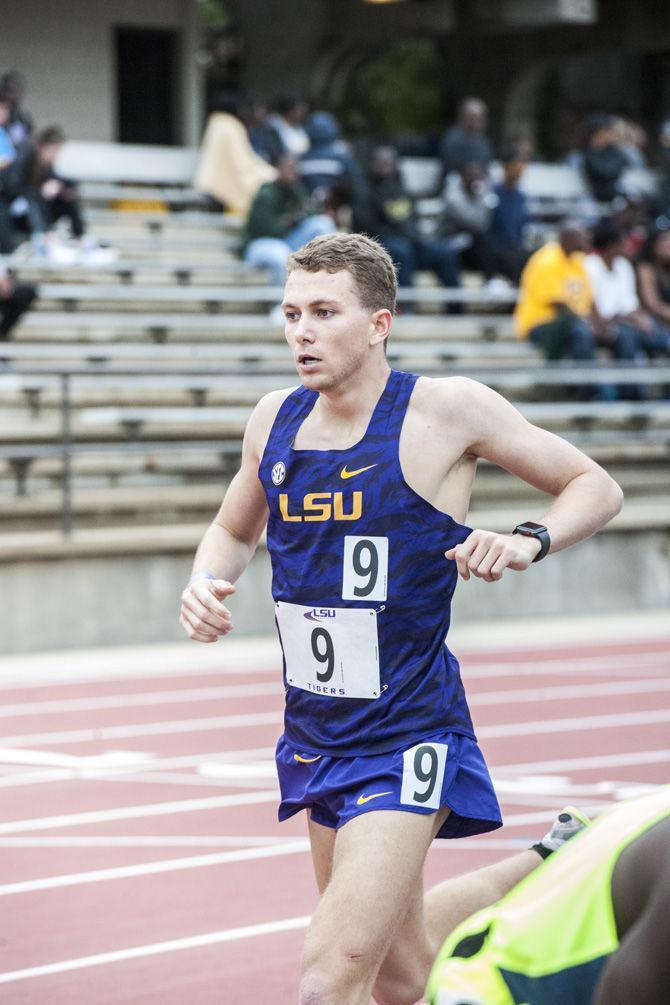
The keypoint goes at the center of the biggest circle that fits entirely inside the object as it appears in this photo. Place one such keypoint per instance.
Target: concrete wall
(122, 601)
(297, 47)
(65, 48)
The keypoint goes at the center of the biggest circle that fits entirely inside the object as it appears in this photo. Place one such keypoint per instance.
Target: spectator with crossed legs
(32, 176)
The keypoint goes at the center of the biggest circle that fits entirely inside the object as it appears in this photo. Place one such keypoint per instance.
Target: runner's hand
(486, 555)
(203, 617)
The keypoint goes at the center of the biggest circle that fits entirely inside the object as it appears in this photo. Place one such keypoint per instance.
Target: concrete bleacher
(166, 349)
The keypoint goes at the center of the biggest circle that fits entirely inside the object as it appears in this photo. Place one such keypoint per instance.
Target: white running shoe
(570, 821)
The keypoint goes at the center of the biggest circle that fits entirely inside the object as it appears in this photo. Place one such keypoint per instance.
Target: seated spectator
(664, 165)
(32, 178)
(229, 170)
(288, 120)
(263, 137)
(328, 164)
(604, 160)
(653, 276)
(15, 299)
(632, 141)
(282, 218)
(385, 211)
(7, 155)
(466, 142)
(510, 217)
(556, 308)
(617, 305)
(7, 151)
(12, 89)
(466, 218)
(619, 321)
(555, 299)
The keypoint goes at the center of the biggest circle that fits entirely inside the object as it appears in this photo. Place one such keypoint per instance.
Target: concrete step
(183, 538)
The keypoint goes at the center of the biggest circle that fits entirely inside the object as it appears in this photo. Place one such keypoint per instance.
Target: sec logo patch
(278, 473)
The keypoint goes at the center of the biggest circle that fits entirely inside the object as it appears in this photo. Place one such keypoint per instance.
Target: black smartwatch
(537, 531)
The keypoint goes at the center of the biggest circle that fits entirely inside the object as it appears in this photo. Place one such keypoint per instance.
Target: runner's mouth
(305, 359)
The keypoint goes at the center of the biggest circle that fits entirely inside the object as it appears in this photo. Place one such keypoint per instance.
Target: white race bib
(331, 651)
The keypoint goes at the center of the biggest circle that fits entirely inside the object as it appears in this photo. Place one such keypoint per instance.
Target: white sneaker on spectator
(497, 285)
(91, 253)
(60, 253)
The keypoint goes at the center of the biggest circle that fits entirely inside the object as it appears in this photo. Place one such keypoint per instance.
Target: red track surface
(180, 841)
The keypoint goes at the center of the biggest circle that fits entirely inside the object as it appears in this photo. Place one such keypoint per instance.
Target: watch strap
(537, 531)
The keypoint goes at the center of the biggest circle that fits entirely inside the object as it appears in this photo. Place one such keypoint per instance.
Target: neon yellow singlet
(549, 938)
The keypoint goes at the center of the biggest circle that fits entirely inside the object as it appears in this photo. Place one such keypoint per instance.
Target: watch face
(530, 528)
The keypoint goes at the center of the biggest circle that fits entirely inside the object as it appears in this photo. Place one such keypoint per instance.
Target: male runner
(590, 927)
(363, 476)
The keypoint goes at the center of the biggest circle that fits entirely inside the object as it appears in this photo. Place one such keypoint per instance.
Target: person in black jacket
(604, 160)
(385, 211)
(48, 197)
(15, 299)
(12, 89)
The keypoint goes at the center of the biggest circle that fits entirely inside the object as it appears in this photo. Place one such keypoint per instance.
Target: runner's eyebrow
(323, 302)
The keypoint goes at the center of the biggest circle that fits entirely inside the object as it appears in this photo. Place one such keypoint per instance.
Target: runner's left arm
(585, 496)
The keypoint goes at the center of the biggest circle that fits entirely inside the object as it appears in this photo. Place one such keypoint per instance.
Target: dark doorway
(147, 86)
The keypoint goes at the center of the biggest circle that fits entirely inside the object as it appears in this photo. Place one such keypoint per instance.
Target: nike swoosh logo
(359, 471)
(307, 760)
(375, 795)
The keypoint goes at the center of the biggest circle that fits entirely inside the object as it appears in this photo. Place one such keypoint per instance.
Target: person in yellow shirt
(555, 307)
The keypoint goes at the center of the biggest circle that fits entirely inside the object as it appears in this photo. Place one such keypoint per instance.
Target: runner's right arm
(230, 541)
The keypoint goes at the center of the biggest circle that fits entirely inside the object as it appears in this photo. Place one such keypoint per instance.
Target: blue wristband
(200, 575)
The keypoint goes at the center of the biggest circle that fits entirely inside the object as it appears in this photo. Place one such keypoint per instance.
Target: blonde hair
(368, 262)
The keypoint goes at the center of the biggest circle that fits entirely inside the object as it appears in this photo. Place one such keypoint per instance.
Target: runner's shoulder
(264, 414)
(448, 397)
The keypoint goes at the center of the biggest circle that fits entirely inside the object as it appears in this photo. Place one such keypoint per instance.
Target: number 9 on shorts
(422, 775)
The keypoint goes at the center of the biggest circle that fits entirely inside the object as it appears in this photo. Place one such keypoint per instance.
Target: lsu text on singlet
(361, 586)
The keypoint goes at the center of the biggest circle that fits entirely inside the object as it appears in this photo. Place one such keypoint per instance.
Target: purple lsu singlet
(361, 586)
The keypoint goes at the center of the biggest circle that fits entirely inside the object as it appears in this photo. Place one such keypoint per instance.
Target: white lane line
(563, 788)
(153, 949)
(143, 729)
(113, 759)
(570, 692)
(297, 846)
(270, 718)
(153, 868)
(145, 841)
(194, 695)
(191, 781)
(54, 676)
(178, 696)
(135, 768)
(626, 759)
(577, 724)
(136, 812)
(139, 761)
(624, 665)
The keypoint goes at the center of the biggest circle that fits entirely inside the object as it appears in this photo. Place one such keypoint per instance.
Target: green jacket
(276, 210)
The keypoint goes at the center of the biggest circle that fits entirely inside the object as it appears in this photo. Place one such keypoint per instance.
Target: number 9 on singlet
(365, 568)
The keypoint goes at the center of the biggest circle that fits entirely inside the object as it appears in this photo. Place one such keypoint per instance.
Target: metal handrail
(603, 372)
